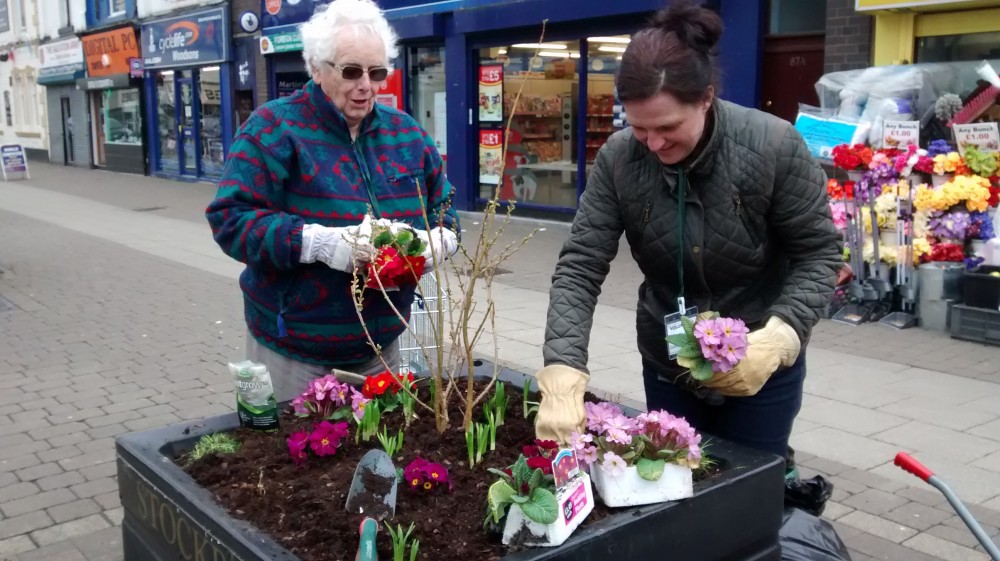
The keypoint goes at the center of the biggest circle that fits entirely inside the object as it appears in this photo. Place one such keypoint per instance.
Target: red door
(792, 66)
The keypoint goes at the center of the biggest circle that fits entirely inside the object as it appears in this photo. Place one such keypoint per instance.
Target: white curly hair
(320, 33)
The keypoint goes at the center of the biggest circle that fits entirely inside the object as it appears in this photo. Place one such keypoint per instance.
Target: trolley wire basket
(419, 339)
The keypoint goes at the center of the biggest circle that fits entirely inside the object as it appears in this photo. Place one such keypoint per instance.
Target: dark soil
(303, 507)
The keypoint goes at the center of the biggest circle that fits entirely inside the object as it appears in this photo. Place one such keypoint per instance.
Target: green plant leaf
(628, 455)
(679, 340)
(519, 499)
(650, 470)
(414, 248)
(503, 475)
(498, 497)
(342, 413)
(542, 508)
(688, 327)
(382, 238)
(690, 351)
(703, 371)
(536, 479)
(404, 237)
(521, 471)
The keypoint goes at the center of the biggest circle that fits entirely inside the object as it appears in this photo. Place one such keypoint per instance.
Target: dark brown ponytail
(674, 54)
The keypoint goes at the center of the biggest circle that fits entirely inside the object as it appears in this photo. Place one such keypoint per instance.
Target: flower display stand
(733, 515)
(628, 489)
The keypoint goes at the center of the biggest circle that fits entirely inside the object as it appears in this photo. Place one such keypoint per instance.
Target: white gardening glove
(441, 244)
(769, 348)
(561, 411)
(340, 248)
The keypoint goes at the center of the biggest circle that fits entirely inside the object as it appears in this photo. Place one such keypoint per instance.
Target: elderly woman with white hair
(302, 176)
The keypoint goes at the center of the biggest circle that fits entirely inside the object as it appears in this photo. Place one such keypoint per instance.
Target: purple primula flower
(598, 414)
(587, 456)
(618, 429)
(733, 328)
(708, 332)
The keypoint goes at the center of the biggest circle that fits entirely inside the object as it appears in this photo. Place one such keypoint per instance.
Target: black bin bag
(805, 537)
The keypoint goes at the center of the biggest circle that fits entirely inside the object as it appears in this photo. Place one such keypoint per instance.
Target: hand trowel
(372, 495)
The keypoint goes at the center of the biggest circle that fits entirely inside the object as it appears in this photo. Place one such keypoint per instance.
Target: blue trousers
(762, 421)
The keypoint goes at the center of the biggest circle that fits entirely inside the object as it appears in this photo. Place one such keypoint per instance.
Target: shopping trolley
(417, 343)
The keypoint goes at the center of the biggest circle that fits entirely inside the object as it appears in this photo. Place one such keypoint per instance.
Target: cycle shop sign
(193, 39)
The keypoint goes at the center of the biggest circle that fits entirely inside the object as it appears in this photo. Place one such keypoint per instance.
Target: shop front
(188, 93)
(928, 31)
(114, 91)
(61, 64)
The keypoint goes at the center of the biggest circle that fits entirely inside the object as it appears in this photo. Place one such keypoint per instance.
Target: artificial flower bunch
(972, 189)
(323, 440)
(426, 476)
(981, 163)
(839, 214)
(614, 442)
(398, 259)
(980, 226)
(949, 225)
(852, 157)
(906, 162)
(946, 252)
(710, 344)
(937, 147)
(886, 254)
(329, 399)
(881, 172)
(951, 162)
(837, 191)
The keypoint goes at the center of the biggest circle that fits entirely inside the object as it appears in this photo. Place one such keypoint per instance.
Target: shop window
(167, 121)
(25, 101)
(117, 7)
(122, 117)
(956, 48)
(210, 127)
(791, 17)
(427, 94)
(540, 166)
(603, 57)
(8, 113)
(22, 11)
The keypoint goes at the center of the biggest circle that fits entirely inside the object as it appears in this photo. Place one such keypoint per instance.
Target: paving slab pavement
(115, 318)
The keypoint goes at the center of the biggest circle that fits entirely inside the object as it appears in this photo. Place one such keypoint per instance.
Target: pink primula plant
(615, 442)
(710, 344)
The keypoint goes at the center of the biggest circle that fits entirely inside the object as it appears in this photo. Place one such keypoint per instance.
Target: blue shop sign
(193, 39)
(275, 13)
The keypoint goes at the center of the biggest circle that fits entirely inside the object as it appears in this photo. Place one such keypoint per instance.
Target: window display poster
(491, 94)
(490, 156)
(391, 94)
(984, 136)
(441, 123)
(821, 135)
(900, 134)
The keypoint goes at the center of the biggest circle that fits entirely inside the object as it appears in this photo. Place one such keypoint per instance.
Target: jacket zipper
(366, 176)
(746, 222)
(646, 211)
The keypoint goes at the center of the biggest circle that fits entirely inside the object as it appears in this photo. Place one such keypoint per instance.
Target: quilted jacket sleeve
(801, 222)
(245, 219)
(583, 265)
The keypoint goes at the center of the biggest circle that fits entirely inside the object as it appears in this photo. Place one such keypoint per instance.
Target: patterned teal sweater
(293, 163)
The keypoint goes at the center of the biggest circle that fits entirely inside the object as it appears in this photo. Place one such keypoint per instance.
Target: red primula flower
(387, 266)
(297, 443)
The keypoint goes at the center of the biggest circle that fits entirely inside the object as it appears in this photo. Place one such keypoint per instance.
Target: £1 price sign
(984, 136)
(490, 156)
(900, 134)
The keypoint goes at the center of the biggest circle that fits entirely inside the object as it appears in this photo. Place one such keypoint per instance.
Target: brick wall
(848, 37)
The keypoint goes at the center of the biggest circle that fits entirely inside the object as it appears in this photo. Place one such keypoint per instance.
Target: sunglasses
(354, 72)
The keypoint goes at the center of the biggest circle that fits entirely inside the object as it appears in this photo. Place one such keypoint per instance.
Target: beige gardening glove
(561, 411)
(768, 349)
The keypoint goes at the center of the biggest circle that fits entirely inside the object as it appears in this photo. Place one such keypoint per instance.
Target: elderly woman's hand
(342, 248)
(443, 245)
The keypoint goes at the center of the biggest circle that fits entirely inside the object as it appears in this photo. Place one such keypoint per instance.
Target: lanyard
(681, 192)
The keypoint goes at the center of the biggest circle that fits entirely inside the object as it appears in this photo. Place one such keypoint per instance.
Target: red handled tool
(911, 465)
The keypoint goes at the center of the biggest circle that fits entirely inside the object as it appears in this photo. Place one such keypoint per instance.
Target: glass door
(188, 152)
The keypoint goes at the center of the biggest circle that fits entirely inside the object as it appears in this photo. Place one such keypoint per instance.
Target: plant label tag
(673, 325)
(984, 136)
(900, 134)
(565, 467)
(573, 500)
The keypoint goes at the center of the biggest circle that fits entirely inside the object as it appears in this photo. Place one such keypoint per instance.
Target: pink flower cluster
(424, 475)
(611, 435)
(323, 441)
(325, 395)
(723, 341)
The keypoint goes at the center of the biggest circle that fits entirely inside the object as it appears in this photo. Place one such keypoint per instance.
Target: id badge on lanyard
(672, 324)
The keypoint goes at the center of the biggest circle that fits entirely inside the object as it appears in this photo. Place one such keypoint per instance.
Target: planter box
(982, 290)
(733, 516)
(519, 527)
